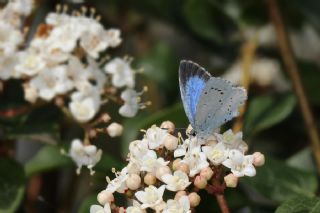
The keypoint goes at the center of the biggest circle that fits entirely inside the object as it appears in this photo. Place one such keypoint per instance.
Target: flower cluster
(63, 60)
(162, 162)
(66, 62)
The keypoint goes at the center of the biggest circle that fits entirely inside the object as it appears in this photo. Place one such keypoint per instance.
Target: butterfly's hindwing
(219, 103)
(192, 80)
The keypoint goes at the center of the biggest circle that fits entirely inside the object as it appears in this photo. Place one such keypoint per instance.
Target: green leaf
(199, 15)
(48, 158)
(108, 162)
(310, 75)
(278, 181)
(265, 111)
(302, 160)
(310, 8)
(300, 204)
(87, 202)
(12, 182)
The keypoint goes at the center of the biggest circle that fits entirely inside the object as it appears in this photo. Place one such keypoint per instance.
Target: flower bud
(207, 173)
(171, 142)
(105, 197)
(122, 210)
(179, 194)
(183, 167)
(194, 199)
(231, 180)
(175, 164)
(92, 133)
(58, 100)
(105, 118)
(168, 125)
(163, 170)
(149, 179)
(258, 159)
(200, 182)
(133, 182)
(114, 129)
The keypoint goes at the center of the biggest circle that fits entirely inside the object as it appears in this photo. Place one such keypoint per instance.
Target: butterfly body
(208, 101)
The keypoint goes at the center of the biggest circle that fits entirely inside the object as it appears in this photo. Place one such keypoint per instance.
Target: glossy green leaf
(302, 160)
(277, 181)
(300, 204)
(48, 158)
(12, 183)
(265, 111)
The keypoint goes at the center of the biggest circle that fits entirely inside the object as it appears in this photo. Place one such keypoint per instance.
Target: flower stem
(293, 72)
(222, 203)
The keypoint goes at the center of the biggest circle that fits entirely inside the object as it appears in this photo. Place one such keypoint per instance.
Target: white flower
(52, 82)
(114, 129)
(113, 37)
(22, 7)
(182, 148)
(7, 66)
(131, 103)
(10, 38)
(151, 197)
(216, 154)
(100, 209)
(84, 106)
(155, 137)
(119, 183)
(136, 208)
(232, 141)
(180, 206)
(240, 164)
(84, 155)
(122, 73)
(30, 63)
(138, 148)
(149, 162)
(30, 93)
(176, 182)
(196, 160)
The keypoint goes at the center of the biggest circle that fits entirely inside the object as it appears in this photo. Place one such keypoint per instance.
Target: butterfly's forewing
(192, 79)
(219, 103)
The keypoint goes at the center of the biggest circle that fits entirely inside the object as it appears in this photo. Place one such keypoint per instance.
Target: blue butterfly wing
(219, 103)
(192, 79)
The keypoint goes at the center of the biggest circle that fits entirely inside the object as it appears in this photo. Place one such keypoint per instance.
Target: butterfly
(208, 101)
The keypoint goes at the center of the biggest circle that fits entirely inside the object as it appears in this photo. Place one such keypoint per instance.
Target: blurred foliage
(158, 34)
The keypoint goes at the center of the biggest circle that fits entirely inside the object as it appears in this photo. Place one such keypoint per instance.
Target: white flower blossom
(180, 206)
(135, 208)
(84, 155)
(30, 63)
(138, 148)
(155, 137)
(84, 106)
(52, 82)
(131, 103)
(196, 160)
(119, 183)
(216, 154)
(10, 38)
(7, 67)
(122, 73)
(100, 209)
(176, 182)
(151, 197)
(150, 162)
(22, 7)
(240, 164)
(232, 141)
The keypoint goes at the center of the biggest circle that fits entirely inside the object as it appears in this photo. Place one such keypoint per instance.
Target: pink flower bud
(231, 180)
(133, 182)
(105, 117)
(163, 170)
(194, 199)
(175, 164)
(171, 142)
(258, 159)
(168, 125)
(183, 167)
(179, 194)
(149, 179)
(207, 173)
(122, 210)
(114, 129)
(105, 197)
(200, 182)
